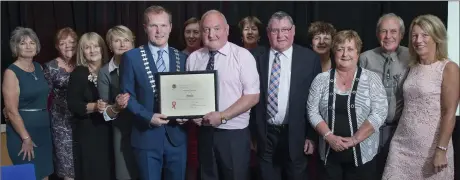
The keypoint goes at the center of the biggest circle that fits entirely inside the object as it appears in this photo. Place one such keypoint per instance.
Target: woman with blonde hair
(92, 135)
(422, 145)
(120, 39)
(57, 73)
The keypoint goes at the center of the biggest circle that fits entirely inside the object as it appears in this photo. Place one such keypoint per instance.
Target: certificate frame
(161, 102)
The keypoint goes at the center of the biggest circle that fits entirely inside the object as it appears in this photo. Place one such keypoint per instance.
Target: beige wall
(5, 159)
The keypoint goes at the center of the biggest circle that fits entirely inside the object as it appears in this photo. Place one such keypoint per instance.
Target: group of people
(387, 113)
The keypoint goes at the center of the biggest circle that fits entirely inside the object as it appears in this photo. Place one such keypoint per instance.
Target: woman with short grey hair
(347, 105)
(25, 92)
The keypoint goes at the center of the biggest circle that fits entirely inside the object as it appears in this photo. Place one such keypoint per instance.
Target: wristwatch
(223, 119)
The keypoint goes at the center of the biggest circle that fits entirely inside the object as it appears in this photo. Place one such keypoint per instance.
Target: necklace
(345, 80)
(67, 63)
(31, 70)
(92, 77)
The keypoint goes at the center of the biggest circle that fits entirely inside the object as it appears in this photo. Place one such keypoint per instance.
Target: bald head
(214, 13)
(215, 30)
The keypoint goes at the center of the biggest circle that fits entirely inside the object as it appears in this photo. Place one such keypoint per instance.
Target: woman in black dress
(92, 135)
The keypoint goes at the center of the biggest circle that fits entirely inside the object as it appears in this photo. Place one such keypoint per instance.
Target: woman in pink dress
(422, 147)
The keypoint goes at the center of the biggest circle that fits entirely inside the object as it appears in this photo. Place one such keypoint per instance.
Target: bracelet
(114, 110)
(23, 139)
(441, 148)
(327, 134)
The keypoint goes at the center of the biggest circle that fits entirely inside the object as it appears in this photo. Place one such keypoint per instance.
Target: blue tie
(160, 62)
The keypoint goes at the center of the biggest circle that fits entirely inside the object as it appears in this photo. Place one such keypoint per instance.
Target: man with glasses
(224, 138)
(280, 124)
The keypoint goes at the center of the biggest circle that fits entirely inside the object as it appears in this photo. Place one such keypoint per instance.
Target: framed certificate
(187, 95)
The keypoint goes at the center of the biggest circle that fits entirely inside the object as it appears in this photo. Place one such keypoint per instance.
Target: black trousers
(224, 154)
(275, 162)
(337, 169)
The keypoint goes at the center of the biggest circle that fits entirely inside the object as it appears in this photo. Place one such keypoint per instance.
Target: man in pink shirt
(224, 137)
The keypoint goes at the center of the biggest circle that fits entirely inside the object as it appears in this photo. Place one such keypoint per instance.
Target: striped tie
(273, 87)
(210, 65)
(160, 62)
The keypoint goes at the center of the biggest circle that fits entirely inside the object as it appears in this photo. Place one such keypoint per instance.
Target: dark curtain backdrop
(46, 18)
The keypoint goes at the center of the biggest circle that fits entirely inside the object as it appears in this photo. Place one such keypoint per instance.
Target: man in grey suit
(390, 62)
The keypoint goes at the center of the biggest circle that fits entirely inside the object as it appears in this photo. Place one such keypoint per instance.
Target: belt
(32, 110)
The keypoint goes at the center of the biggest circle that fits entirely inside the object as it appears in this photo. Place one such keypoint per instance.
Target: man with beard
(390, 62)
(153, 138)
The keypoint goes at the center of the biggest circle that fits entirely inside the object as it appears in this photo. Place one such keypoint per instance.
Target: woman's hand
(439, 160)
(336, 142)
(101, 105)
(121, 101)
(28, 149)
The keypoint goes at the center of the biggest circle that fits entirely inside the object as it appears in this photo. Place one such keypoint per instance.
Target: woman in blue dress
(25, 92)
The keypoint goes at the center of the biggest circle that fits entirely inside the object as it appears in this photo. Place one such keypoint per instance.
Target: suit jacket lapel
(172, 60)
(296, 69)
(264, 71)
(152, 64)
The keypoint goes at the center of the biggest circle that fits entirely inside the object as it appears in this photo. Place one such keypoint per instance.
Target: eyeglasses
(283, 31)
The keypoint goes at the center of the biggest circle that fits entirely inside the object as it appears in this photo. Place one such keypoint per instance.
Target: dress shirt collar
(224, 50)
(154, 49)
(112, 65)
(287, 53)
(394, 55)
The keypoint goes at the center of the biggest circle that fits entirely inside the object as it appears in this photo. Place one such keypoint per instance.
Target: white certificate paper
(187, 95)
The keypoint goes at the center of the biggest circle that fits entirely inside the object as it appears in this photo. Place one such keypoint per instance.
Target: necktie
(210, 65)
(160, 62)
(273, 87)
(386, 69)
(206, 137)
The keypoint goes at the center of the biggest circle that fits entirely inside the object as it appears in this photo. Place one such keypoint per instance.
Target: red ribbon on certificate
(174, 104)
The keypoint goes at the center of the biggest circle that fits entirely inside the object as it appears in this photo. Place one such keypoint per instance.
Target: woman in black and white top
(346, 106)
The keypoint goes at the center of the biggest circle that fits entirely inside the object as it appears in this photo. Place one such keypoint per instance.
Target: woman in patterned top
(346, 106)
(57, 73)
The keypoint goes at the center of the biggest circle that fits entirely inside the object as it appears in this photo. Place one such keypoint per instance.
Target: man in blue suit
(158, 144)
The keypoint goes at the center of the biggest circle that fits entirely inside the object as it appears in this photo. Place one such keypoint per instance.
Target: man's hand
(213, 119)
(159, 119)
(308, 148)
